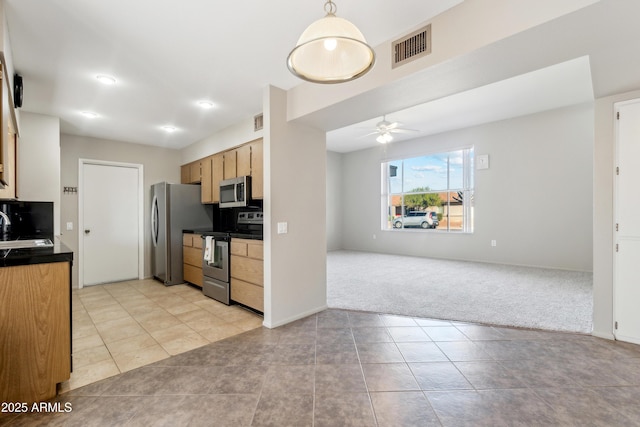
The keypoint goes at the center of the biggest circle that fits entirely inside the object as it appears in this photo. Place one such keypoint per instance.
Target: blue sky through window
(438, 172)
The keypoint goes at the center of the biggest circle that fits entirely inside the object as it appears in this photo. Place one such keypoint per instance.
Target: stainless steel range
(216, 266)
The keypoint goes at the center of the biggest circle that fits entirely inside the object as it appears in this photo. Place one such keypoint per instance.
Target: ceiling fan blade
(369, 134)
(402, 130)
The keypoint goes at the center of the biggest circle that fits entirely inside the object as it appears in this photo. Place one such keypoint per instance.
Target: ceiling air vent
(412, 46)
(258, 122)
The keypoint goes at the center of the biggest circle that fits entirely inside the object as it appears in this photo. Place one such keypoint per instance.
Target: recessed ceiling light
(205, 104)
(169, 129)
(107, 80)
(89, 114)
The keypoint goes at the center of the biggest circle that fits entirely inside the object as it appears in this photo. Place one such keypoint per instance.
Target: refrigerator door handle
(154, 221)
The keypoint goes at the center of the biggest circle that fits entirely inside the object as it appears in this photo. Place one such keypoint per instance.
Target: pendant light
(331, 50)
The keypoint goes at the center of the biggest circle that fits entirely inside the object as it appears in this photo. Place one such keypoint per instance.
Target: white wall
(535, 200)
(334, 201)
(295, 193)
(603, 241)
(159, 164)
(39, 161)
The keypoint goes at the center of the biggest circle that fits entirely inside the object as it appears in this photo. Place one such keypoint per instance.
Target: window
(432, 192)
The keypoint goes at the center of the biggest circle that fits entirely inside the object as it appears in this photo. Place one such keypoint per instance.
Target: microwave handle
(239, 189)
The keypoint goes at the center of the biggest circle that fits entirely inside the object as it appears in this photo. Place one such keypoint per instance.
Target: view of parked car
(417, 219)
(434, 218)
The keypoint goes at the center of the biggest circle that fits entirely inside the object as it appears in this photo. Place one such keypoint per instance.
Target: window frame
(467, 190)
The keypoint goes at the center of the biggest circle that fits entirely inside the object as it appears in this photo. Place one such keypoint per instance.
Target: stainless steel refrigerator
(174, 208)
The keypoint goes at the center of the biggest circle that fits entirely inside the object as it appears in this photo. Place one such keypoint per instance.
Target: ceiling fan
(384, 129)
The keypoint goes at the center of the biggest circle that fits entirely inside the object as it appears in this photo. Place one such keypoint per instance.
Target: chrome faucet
(4, 216)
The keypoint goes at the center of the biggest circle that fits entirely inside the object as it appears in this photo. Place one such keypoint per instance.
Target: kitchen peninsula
(35, 314)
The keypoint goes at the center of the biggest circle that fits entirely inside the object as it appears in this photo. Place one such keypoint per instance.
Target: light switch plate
(283, 228)
(482, 161)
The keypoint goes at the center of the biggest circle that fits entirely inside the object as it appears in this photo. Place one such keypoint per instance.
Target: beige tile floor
(121, 326)
(347, 368)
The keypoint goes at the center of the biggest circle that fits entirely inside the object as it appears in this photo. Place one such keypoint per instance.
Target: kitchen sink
(25, 244)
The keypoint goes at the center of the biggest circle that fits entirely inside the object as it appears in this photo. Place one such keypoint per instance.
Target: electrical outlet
(493, 243)
(69, 226)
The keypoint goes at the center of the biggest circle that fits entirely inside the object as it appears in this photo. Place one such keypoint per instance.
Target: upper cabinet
(245, 160)
(8, 139)
(191, 173)
(257, 174)
(217, 175)
(206, 184)
(237, 162)
(230, 164)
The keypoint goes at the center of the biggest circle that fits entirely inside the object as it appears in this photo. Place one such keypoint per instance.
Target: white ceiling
(560, 85)
(167, 55)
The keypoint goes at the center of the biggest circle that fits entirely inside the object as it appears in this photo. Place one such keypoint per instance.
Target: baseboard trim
(293, 318)
(605, 335)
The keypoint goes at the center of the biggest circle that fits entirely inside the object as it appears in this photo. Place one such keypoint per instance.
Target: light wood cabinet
(192, 258)
(217, 175)
(206, 184)
(257, 172)
(10, 177)
(185, 174)
(237, 162)
(196, 172)
(191, 173)
(35, 314)
(247, 273)
(8, 127)
(245, 160)
(230, 158)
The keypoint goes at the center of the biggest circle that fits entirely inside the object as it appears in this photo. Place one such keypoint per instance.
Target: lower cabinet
(35, 314)
(247, 273)
(192, 258)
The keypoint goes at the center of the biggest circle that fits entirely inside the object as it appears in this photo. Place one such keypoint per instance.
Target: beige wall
(159, 164)
(295, 193)
(39, 162)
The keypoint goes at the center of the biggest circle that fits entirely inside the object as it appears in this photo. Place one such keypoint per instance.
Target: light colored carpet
(497, 294)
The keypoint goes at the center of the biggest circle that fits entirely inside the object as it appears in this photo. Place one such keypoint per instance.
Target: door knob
(87, 231)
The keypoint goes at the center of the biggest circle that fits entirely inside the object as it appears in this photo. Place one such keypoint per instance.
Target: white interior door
(110, 223)
(627, 234)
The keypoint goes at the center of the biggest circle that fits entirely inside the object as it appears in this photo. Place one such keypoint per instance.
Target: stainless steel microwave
(235, 192)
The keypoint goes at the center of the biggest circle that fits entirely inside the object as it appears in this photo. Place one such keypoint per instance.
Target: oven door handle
(212, 283)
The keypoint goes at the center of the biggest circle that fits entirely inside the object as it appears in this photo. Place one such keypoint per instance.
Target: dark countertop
(237, 235)
(57, 253)
(246, 236)
(198, 230)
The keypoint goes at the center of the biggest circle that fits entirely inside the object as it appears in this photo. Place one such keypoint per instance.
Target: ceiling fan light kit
(385, 129)
(384, 138)
(331, 50)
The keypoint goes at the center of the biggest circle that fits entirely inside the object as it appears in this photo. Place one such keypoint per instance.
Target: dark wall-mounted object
(17, 90)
